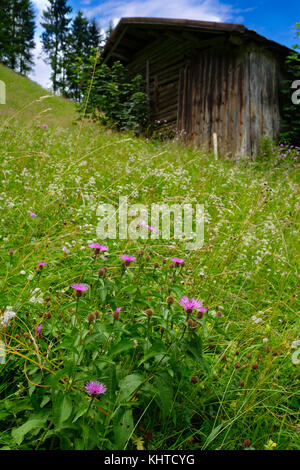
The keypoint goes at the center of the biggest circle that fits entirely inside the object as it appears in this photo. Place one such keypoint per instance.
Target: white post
(215, 140)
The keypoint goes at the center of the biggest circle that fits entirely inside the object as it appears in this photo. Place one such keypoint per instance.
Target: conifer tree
(17, 27)
(5, 19)
(95, 37)
(25, 37)
(54, 38)
(83, 41)
(77, 48)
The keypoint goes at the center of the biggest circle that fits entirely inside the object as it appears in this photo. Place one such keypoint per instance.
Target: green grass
(247, 267)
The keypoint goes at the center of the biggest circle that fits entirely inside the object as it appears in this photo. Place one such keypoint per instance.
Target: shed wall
(212, 98)
(229, 89)
(235, 95)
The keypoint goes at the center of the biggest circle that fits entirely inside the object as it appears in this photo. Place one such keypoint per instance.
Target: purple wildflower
(38, 331)
(41, 264)
(116, 313)
(32, 214)
(152, 229)
(97, 247)
(79, 288)
(177, 261)
(190, 304)
(203, 309)
(128, 259)
(94, 388)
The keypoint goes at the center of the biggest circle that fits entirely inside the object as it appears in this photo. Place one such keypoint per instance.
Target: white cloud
(42, 71)
(206, 10)
(40, 6)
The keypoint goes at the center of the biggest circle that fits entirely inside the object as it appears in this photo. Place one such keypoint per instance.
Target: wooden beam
(115, 45)
(120, 56)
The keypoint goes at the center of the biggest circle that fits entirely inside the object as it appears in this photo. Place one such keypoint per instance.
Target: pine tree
(26, 27)
(5, 19)
(56, 25)
(16, 34)
(78, 47)
(83, 41)
(109, 29)
(95, 37)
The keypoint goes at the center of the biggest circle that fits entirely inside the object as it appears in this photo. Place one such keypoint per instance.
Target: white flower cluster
(8, 315)
(36, 296)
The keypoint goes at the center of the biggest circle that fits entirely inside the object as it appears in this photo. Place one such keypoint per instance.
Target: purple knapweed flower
(203, 309)
(94, 388)
(41, 264)
(32, 214)
(38, 331)
(178, 261)
(152, 229)
(97, 247)
(190, 304)
(149, 227)
(128, 259)
(45, 126)
(116, 313)
(79, 288)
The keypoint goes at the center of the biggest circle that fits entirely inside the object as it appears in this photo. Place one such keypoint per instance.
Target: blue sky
(274, 19)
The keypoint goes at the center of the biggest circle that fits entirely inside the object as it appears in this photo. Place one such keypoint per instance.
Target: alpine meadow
(136, 342)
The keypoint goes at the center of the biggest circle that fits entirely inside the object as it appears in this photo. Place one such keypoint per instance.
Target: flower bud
(149, 312)
(170, 300)
(91, 317)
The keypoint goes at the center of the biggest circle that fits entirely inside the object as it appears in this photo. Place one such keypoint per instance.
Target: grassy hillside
(24, 104)
(228, 379)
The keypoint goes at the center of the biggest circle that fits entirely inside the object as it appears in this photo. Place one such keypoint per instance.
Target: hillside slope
(177, 375)
(22, 102)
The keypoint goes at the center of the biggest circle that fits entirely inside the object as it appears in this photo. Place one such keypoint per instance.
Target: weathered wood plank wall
(216, 85)
(212, 99)
(234, 95)
(160, 64)
(263, 94)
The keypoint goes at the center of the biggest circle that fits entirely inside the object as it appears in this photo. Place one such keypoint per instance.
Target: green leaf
(62, 408)
(81, 411)
(122, 346)
(123, 428)
(156, 349)
(103, 294)
(194, 347)
(163, 384)
(128, 385)
(34, 423)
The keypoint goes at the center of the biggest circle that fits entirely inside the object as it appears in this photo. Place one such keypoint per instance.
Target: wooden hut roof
(132, 34)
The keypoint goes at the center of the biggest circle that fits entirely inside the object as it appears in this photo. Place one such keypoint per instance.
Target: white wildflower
(255, 319)
(8, 315)
(37, 296)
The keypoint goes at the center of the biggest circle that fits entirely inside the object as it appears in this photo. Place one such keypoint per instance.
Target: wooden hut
(205, 78)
